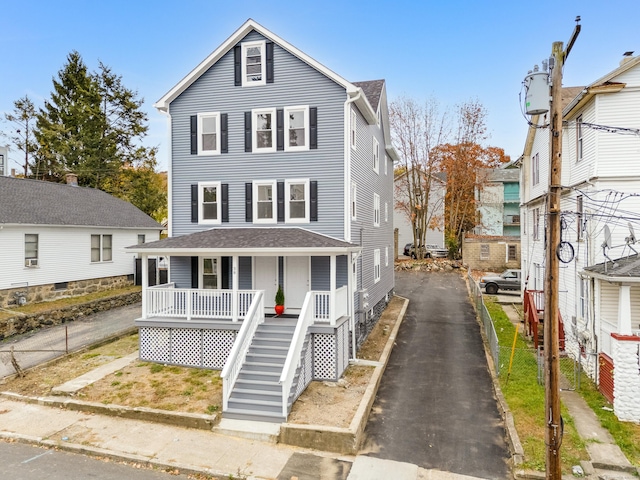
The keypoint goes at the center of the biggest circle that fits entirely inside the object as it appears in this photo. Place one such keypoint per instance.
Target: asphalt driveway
(435, 407)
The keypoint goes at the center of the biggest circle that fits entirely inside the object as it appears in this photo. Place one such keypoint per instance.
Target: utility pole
(554, 423)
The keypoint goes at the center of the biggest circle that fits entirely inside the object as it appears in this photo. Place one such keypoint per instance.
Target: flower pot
(279, 309)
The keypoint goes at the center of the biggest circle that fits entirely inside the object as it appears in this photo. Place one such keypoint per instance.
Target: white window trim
(287, 147)
(274, 210)
(354, 203)
(287, 184)
(376, 155)
(386, 164)
(386, 256)
(254, 130)
(376, 265)
(263, 63)
(201, 272)
(201, 219)
(353, 130)
(579, 139)
(376, 210)
(202, 116)
(31, 262)
(101, 247)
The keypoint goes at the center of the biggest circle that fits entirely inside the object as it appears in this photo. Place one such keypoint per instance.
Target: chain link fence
(21, 352)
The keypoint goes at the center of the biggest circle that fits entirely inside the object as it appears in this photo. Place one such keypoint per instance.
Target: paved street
(435, 407)
(48, 343)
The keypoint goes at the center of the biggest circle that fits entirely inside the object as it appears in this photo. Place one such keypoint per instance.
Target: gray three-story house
(281, 176)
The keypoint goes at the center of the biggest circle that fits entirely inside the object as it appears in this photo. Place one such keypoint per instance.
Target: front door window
(210, 273)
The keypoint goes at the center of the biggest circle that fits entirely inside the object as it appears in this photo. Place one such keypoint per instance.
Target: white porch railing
(168, 301)
(293, 359)
(229, 375)
(322, 308)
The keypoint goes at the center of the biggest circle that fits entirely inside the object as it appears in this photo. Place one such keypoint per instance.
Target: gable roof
(34, 202)
(372, 90)
(264, 240)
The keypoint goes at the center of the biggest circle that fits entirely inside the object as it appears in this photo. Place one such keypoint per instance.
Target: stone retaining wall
(26, 322)
(51, 291)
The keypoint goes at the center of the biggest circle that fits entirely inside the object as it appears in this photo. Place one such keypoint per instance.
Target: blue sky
(452, 50)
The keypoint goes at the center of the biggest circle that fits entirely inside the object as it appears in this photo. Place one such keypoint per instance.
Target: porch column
(624, 309)
(332, 289)
(235, 275)
(144, 269)
(351, 292)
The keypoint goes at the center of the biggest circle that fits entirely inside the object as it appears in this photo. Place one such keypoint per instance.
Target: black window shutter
(194, 203)
(224, 133)
(224, 193)
(280, 129)
(248, 202)
(225, 272)
(194, 134)
(194, 272)
(281, 201)
(269, 62)
(313, 200)
(313, 128)
(237, 65)
(247, 131)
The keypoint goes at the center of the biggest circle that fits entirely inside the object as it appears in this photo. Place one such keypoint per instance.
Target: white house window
(354, 215)
(210, 274)
(141, 238)
(296, 127)
(101, 248)
(579, 149)
(352, 127)
(512, 252)
(536, 224)
(208, 133)
(535, 169)
(386, 163)
(376, 156)
(263, 130)
(376, 265)
(583, 297)
(386, 211)
(209, 202)
(386, 256)
(376, 210)
(31, 250)
(579, 216)
(264, 201)
(253, 63)
(296, 208)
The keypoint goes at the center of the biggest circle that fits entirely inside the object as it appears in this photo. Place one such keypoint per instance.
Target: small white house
(61, 240)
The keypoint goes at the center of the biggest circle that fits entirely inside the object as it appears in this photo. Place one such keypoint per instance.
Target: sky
(453, 51)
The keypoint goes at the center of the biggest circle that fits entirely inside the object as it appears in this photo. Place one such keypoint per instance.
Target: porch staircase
(257, 393)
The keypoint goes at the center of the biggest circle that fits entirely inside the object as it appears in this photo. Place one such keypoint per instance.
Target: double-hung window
(264, 201)
(101, 248)
(353, 129)
(31, 250)
(376, 210)
(209, 133)
(253, 63)
(535, 169)
(376, 265)
(354, 192)
(296, 201)
(264, 122)
(579, 216)
(536, 224)
(376, 155)
(209, 203)
(579, 146)
(296, 128)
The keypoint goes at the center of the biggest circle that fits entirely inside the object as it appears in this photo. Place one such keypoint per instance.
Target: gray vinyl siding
(180, 271)
(320, 273)
(369, 182)
(245, 281)
(296, 83)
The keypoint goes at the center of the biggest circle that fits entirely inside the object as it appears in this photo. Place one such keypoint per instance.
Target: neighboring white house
(401, 215)
(59, 240)
(599, 295)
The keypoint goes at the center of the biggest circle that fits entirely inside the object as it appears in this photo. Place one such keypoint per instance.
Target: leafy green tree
(23, 119)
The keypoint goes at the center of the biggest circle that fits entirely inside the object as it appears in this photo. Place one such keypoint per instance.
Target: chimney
(626, 57)
(72, 179)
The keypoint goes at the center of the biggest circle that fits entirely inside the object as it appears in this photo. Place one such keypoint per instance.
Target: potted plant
(279, 301)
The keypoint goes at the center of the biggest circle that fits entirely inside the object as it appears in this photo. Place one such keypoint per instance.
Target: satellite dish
(607, 237)
(631, 239)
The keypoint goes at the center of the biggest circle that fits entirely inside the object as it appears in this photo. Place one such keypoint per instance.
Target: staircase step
(269, 349)
(271, 386)
(266, 358)
(270, 342)
(275, 407)
(254, 415)
(253, 394)
(267, 367)
(272, 377)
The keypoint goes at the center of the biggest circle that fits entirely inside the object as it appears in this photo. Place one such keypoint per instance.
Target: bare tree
(23, 119)
(417, 129)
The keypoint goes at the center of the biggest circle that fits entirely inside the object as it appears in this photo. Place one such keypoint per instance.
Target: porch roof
(623, 270)
(254, 241)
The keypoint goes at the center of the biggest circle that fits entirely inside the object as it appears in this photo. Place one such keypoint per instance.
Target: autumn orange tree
(417, 129)
(463, 161)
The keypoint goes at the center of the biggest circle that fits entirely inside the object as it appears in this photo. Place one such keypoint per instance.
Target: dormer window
(253, 63)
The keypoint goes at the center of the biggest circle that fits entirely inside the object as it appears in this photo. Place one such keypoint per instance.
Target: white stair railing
(293, 359)
(255, 316)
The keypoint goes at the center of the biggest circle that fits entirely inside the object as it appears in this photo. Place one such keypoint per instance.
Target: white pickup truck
(507, 280)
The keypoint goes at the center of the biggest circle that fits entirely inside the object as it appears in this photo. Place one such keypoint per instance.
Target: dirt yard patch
(192, 390)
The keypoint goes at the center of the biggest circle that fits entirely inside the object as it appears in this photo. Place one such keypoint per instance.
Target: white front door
(265, 274)
(296, 283)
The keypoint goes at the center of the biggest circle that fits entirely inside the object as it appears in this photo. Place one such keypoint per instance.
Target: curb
(345, 441)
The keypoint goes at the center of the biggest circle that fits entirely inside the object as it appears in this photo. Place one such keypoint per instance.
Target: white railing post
(144, 271)
(189, 304)
(235, 279)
